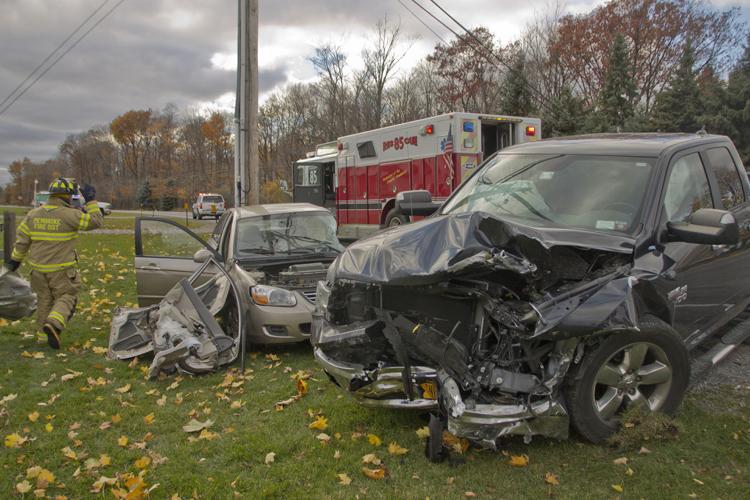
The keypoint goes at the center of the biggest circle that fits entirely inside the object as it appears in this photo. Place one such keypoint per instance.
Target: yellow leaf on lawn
(143, 462)
(68, 453)
(344, 479)
(301, 387)
(469, 494)
(49, 427)
(371, 458)
(423, 432)
(551, 478)
(323, 437)
(457, 444)
(207, 435)
(122, 441)
(116, 419)
(395, 449)
(23, 487)
(374, 440)
(103, 481)
(270, 457)
(149, 419)
(519, 460)
(376, 474)
(620, 461)
(99, 350)
(14, 440)
(34, 416)
(104, 460)
(162, 400)
(44, 478)
(320, 423)
(33, 472)
(617, 488)
(122, 390)
(629, 471)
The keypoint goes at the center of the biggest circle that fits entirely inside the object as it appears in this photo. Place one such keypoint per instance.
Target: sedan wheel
(649, 369)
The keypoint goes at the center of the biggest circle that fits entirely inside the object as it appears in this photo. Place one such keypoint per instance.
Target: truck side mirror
(417, 202)
(706, 226)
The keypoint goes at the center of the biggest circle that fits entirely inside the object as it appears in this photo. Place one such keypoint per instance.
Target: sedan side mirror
(202, 256)
(417, 202)
(706, 226)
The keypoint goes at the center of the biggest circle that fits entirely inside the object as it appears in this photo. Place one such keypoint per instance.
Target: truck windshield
(591, 192)
(286, 234)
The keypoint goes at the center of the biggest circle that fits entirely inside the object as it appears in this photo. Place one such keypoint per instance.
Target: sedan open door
(165, 253)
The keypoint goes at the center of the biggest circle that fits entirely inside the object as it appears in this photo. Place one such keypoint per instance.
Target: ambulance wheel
(395, 218)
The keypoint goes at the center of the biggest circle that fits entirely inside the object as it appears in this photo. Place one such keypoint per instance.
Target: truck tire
(194, 217)
(650, 368)
(395, 218)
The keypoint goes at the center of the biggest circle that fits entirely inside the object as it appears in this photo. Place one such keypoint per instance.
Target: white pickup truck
(208, 205)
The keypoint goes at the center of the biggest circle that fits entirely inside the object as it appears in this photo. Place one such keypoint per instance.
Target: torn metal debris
(17, 299)
(182, 331)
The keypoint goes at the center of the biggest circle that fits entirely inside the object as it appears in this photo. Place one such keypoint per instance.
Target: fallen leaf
(371, 458)
(376, 474)
(104, 460)
(196, 425)
(103, 481)
(620, 461)
(105, 425)
(344, 479)
(698, 481)
(149, 419)
(162, 400)
(617, 488)
(374, 440)
(629, 471)
(15, 440)
(423, 432)
(395, 449)
(33, 472)
(270, 457)
(337, 454)
(99, 350)
(644, 451)
(116, 419)
(122, 441)
(207, 435)
(142, 462)
(323, 437)
(301, 387)
(469, 494)
(33, 416)
(48, 427)
(320, 423)
(551, 479)
(70, 376)
(68, 453)
(23, 487)
(122, 390)
(459, 445)
(44, 479)
(519, 460)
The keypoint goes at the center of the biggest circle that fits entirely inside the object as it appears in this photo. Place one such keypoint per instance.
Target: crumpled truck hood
(426, 251)
(17, 299)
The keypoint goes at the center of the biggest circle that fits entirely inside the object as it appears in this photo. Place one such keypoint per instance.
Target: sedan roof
(277, 208)
(643, 144)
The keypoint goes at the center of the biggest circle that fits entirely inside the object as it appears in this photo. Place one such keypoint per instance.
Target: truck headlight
(271, 296)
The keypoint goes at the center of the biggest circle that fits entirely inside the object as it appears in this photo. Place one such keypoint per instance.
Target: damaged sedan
(17, 299)
(564, 282)
(252, 280)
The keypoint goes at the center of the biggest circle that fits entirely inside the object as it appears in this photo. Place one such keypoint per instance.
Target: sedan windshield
(286, 234)
(591, 192)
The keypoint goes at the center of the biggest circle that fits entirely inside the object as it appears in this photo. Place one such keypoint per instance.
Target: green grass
(713, 447)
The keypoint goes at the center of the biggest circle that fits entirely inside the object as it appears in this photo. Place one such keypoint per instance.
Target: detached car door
(164, 254)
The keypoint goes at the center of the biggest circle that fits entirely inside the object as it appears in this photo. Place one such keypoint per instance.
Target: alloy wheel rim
(395, 222)
(638, 374)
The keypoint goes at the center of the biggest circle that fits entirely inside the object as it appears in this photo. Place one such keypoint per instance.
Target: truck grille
(309, 295)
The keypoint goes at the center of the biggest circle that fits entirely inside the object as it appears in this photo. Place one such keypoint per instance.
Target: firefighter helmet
(61, 186)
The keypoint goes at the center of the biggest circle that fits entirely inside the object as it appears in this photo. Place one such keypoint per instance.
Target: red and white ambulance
(359, 175)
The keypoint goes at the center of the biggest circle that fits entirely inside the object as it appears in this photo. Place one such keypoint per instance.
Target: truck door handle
(153, 266)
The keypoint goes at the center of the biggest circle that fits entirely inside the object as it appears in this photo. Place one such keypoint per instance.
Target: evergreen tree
(678, 107)
(738, 99)
(564, 115)
(144, 194)
(615, 104)
(516, 95)
(713, 98)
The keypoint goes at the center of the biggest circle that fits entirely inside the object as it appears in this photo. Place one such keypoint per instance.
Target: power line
(92, 28)
(523, 78)
(423, 22)
(49, 56)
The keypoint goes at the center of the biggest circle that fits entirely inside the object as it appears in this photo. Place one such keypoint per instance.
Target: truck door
(308, 184)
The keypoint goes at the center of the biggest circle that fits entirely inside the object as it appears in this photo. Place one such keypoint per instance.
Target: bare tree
(381, 62)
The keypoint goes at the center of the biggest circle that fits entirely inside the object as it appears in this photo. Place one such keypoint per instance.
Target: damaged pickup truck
(564, 282)
(253, 281)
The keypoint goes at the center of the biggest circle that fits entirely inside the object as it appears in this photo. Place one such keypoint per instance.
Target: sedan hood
(426, 251)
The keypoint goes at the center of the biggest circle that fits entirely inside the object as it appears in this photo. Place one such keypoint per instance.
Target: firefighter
(46, 242)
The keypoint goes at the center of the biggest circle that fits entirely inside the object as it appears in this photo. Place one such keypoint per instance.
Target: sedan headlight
(271, 296)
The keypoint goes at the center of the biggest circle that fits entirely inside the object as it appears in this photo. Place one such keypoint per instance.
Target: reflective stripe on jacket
(46, 236)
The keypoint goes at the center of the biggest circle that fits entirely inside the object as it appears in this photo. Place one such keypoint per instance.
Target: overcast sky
(149, 53)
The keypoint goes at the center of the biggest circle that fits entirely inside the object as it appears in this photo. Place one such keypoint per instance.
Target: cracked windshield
(591, 192)
(286, 234)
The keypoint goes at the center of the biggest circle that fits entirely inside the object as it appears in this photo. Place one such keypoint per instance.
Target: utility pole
(246, 114)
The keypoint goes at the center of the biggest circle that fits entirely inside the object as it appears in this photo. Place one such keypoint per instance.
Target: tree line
(629, 65)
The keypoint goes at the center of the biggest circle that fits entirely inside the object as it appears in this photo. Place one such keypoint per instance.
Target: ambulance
(359, 176)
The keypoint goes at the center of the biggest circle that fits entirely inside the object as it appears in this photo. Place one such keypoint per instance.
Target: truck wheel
(194, 215)
(650, 368)
(395, 218)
